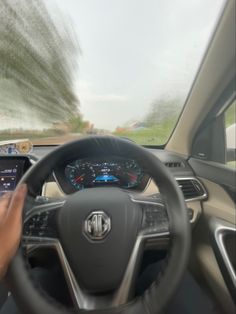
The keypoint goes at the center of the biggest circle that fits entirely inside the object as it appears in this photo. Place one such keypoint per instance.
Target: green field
(156, 135)
(232, 164)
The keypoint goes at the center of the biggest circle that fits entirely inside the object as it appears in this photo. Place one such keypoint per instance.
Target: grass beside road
(156, 135)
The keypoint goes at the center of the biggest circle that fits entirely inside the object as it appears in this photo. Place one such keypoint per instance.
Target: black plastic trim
(218, 173)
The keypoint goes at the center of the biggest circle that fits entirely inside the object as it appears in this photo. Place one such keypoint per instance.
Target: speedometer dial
(133, 173)
(80, 175)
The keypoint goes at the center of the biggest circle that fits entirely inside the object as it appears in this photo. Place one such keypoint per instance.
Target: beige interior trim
(218, 204)
(215, 73)
(51, 189)
(151, 188)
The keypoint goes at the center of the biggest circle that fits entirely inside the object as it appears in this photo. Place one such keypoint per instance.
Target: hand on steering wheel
(11, 205)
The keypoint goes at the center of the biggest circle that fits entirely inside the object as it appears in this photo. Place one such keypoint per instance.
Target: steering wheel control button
(97, 226)
(154, 218)
(41, 225)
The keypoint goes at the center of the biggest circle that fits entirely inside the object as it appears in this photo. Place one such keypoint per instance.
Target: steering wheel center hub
(98, 235)
(97, 225)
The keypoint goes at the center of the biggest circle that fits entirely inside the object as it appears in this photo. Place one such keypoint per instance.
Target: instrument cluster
(94, 172)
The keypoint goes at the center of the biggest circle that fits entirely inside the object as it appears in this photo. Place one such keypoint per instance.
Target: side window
(230, 134)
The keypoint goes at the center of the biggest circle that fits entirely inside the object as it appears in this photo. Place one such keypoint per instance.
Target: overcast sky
(135, 51)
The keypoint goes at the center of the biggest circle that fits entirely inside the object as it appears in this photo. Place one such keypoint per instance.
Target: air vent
(192, 188)
(174, 164)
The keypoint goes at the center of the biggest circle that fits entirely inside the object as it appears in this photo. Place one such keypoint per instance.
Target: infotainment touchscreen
(11, 171)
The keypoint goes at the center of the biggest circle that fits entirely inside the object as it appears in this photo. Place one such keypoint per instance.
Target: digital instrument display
(84, 173)
(11, 171)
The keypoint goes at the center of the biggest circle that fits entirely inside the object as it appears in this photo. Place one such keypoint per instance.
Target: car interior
(162, 237)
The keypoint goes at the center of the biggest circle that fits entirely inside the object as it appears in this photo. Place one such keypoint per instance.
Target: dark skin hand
(11, 205)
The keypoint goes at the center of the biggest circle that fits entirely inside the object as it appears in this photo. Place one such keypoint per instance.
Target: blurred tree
(77, 124)
(38, 54)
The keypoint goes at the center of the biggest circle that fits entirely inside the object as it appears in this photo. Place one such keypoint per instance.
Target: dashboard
(85, 173)
(74, 174)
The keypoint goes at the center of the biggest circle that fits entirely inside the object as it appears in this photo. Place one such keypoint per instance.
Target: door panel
(220, 208)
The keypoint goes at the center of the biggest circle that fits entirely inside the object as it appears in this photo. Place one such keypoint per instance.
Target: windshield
(70, 68)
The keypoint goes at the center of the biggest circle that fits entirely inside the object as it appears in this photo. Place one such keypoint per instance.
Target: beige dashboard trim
(51, 189)
(218, 204)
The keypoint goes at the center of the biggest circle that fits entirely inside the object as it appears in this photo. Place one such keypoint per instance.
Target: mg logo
(97, 225)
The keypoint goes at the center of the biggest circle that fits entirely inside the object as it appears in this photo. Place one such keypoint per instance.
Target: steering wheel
(101, 233)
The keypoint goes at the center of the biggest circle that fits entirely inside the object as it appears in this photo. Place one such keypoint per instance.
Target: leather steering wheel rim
(157, 296)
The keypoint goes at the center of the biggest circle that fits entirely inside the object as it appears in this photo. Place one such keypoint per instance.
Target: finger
(16, 204)
(4, 203)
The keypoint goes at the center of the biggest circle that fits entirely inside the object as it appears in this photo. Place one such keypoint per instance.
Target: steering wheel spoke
(154, 231)
(81, 298)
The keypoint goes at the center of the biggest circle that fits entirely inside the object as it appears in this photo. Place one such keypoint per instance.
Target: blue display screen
(106, 178)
